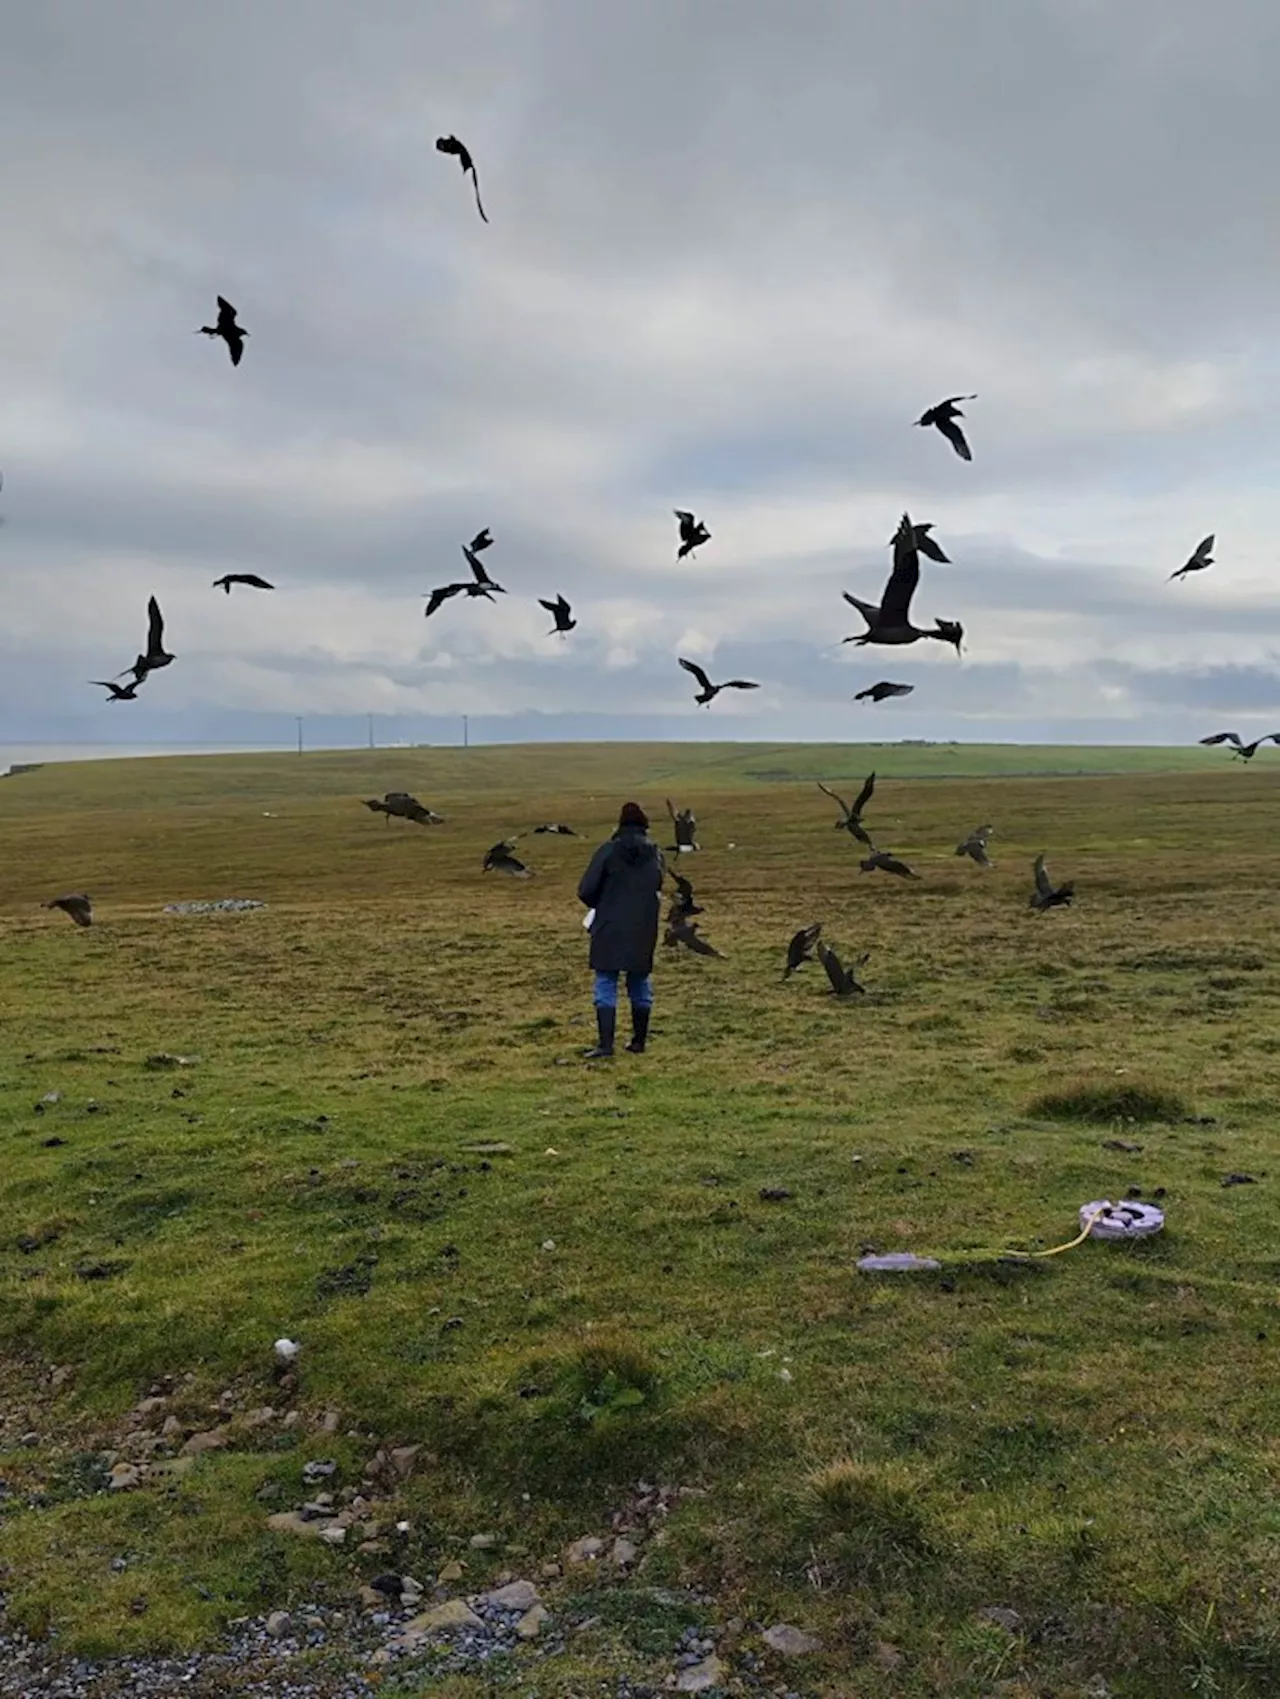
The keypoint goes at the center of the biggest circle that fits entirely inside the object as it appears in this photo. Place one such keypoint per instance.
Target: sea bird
(556, 828)
(852, 822)
(499, 859)
(1045, 896)
(119, 692)
(482, 578)
(801, 947)
(559, 611)
(155, 656)
(686, 829)
(250, 579)
(682, 931)
(890, 622)
(227, 329)
(879, 692)
(451, 145)
(887, 864)
(944, 417)
(405, 807)
(481, 541)
(76, 905)
(1201, 557)
(710, 691)
(1246, 751)
(693, 533)
(843, 981)
(683, 904)
(925, 543)
(975, 846)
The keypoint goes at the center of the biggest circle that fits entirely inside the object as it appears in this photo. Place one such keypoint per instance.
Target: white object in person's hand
(587, 919)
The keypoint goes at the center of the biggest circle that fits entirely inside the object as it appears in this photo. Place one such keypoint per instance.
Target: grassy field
(605, 1297)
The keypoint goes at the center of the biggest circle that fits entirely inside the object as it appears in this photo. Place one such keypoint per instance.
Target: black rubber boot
(639, 1030)
(606, 1025)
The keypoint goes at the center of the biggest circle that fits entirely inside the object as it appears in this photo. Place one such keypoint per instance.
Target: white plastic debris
(548, 1244)
(896, 1262)
(286, 1350)
(1121, 1220)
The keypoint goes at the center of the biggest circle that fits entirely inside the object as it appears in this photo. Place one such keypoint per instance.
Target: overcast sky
(736, 248)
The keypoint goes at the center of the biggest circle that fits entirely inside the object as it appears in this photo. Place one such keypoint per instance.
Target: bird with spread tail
(156, 655)
(681, 931)
(499, 859)
(890, 620)
(887, 863)
(686, 829)
(76, 905)
(560, 612)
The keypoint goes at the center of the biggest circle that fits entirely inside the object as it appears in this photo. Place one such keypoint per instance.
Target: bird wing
(475, 184)
(155, 628)
(1223, 737)
(686, 519)
(684, 886)
(482, 540)
(696, 670)
(834, 970)
(1043, 883)
(864, 795)
(477, 566)
(895, 604)
(954, 435)
(441, 595)
(670, 810)
(1204, 549)
(839, 802)
(251, 578)
(891, 864)
(739, 684)
(927, 546)
(551, 607)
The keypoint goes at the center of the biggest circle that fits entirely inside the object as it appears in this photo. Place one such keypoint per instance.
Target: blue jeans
(639, 990)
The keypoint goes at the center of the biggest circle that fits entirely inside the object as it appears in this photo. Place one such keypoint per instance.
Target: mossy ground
(1090, 1442)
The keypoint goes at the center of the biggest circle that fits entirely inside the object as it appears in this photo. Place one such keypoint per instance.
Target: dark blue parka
(623, 885)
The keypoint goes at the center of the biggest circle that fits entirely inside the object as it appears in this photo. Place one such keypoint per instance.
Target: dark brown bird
(890, 620)
(227, 329)
(801, 947)
(405, 807)
(693, 533)
(76, 905)
(119, 692)
(1246, 751)
(843, 980)
(482, 578)
(1045, 896)
(852, 822)
(887, 864)
(975, 846)
(481, 541)
(559, 830)
(880, 692)
(499, 859)
(1202, 557)
(451, 145)
(686, 829)
(250, 579)
(155, 657)
(710, 691)
(925, 543)
(683, 905)
(944, 417)
(682, 931)
(559, 611)
(444, 592)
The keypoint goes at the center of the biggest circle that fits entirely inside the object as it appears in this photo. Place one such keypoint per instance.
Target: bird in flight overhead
(250, 579)
(944, 417)
(852, 822)
(227, 329)
(975, 846)
(1246, 751)
(481, 541)
(1045, 896)
(879, 692)
(801, 947)
(710, 691)
(76, 905)
(451, 145)
(1201, 557)
(155, 657)
(481, 576)
(843, 981)
(890, 622)
(119, 692)
(887, 864)
(559, 611)
(693, 533)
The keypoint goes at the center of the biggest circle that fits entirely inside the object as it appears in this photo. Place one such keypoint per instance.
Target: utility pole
(465, 734)
(298, 718)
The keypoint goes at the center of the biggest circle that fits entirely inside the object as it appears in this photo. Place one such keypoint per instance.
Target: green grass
(1087, 1440)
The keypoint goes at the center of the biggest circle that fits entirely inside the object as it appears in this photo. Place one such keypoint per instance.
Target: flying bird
(250, 579)
(800, 949)
(119, 692)
(481, 576)
(710, 691)
(843, 980)
(1246, 751)
(499, 859)
(76, 905)
(1201, 557)
(681, 931)
(944, 417)
(227, 329)
(683, 904)
(890, 622)
(155, 656)
(557, 829)
(887, 864)
(852, 822)
(975, 846)
(686, 829)
(481, 541)
(693, 533)
(880, 692)
(925, 543)
(451, 145)
(404, 807)
(559, 611)
(1045, 896)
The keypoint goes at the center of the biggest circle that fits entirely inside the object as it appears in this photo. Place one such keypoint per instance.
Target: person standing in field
(623, 885)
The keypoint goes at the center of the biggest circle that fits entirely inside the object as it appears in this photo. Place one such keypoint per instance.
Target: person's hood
(635, 846)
